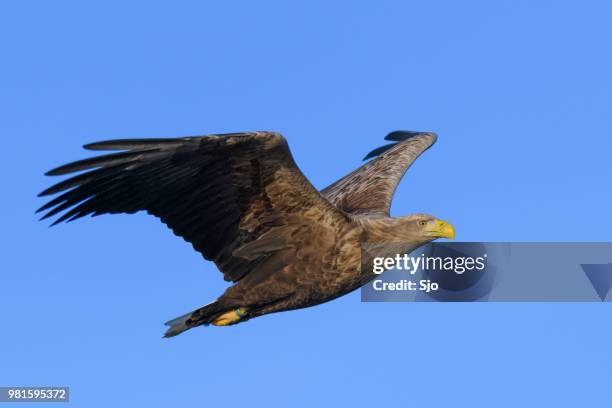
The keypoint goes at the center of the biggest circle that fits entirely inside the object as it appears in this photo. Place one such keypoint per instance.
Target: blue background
(519, 92)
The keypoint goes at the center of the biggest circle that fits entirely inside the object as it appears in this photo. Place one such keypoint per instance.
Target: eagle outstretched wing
(370, 188)
(221, 193)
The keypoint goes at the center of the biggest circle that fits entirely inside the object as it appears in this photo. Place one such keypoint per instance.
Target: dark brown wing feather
(370, 188)
(218, 192)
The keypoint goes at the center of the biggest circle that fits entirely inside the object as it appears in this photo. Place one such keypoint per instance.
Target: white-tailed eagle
(243, 203)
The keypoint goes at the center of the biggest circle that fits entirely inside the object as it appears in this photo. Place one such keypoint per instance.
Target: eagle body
(243, 203)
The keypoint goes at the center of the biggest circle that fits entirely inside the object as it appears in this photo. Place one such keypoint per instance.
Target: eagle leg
(230, 317)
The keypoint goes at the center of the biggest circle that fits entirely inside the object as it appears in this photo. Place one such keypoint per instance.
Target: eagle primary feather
(370, 188)
(242, 202)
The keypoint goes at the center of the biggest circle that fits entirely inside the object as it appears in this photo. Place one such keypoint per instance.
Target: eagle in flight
(243, 203)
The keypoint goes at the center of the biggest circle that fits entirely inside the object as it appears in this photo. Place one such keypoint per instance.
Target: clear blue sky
(520, 93)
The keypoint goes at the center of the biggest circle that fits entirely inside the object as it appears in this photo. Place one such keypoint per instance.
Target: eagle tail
(192, 319)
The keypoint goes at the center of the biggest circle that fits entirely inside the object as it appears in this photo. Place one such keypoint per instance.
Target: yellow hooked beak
(440, 229)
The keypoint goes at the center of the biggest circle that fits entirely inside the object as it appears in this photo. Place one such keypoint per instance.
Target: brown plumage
(243, 203)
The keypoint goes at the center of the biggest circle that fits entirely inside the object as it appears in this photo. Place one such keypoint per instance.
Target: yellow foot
(231, 317)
